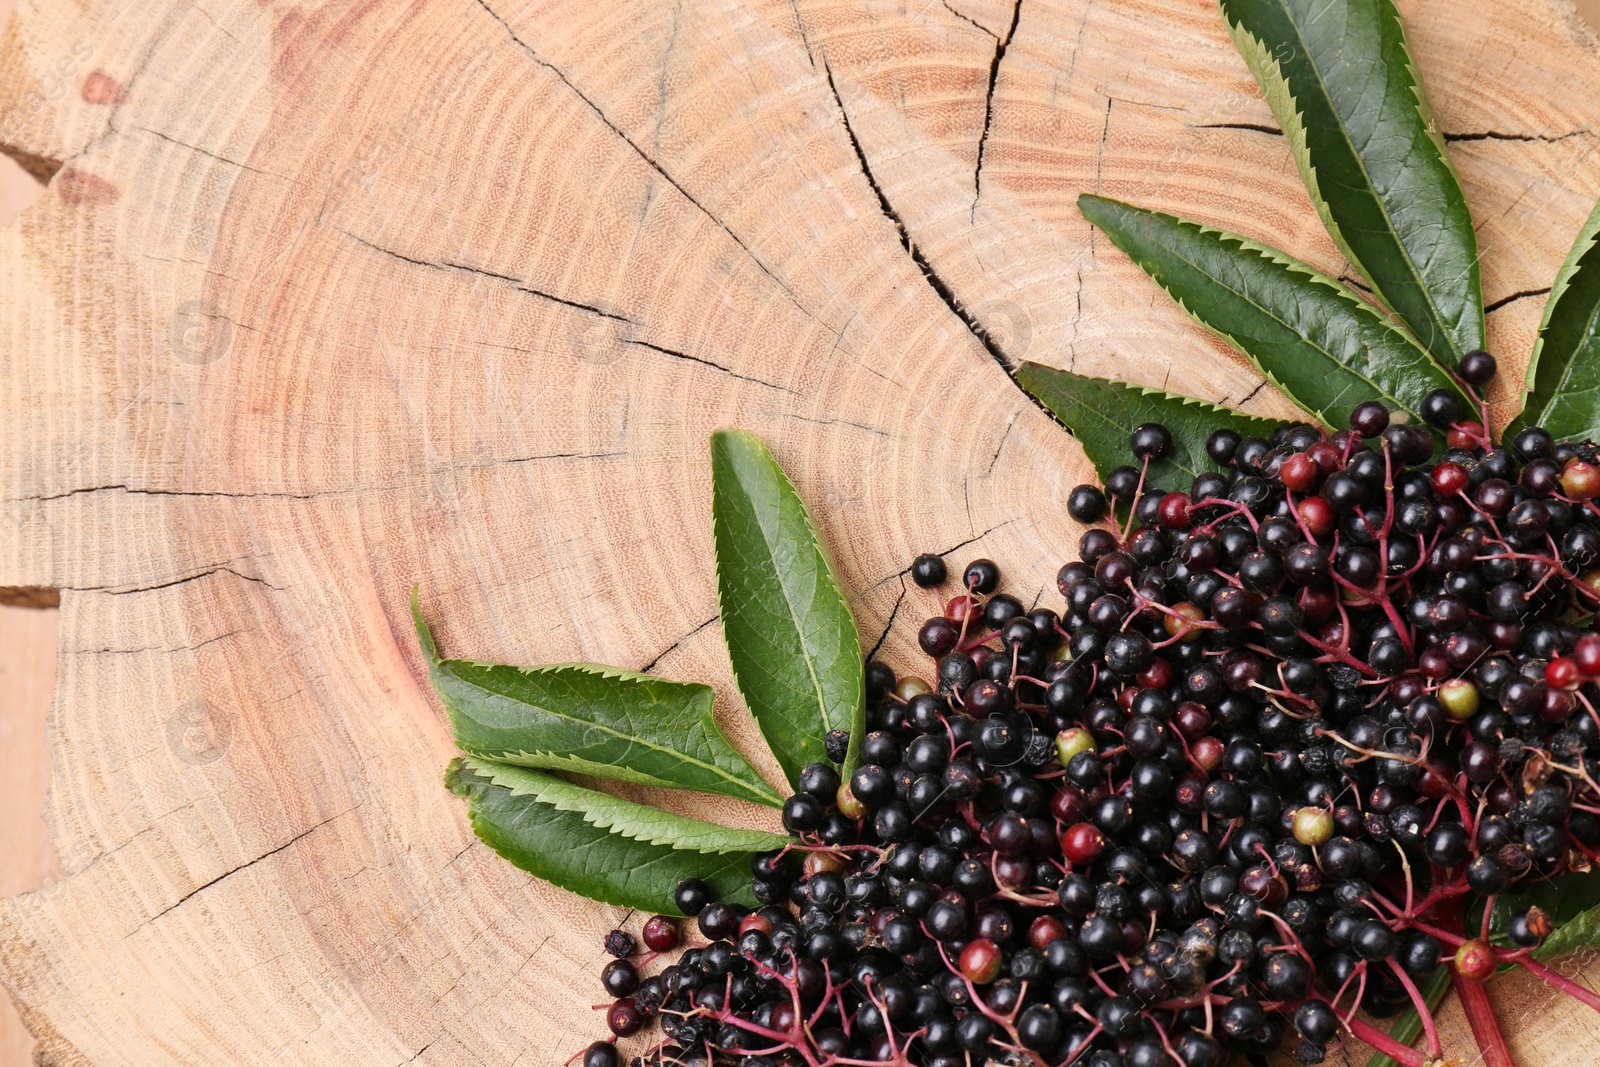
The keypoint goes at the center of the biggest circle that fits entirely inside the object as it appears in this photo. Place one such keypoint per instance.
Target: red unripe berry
(1587, 655)
(1467, 435)
(1435, 781)
(625, 1018)
(1158, 675)
(1558, 705)
(1317, 605)
(1208, 753)
(1433, 664)
(1045, 929)
(958, 608)
(755, 921)
(784, 1017)
(1173, 511)
(1191, 718)
(1563, 673)
(1318, 516)
(1475, 961)
(1580, 480)
(1125, 697)
(1328, 456)
(1012, 872)
(1069, 804)
(1449, 478)
(1083, 843)
(660, 934)
(980, 961)
(1298, 473)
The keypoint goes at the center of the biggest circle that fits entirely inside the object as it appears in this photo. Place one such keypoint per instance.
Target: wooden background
(1483, 63)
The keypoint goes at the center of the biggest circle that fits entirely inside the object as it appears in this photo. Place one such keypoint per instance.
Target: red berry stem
(1401, 1054)
(1485, 1027)
(1435, 1049)
(1572, 989)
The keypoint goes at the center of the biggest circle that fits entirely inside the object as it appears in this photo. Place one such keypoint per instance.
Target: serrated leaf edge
(852, 755)
(1280, 98)
(1588, 237)
(1359, 306)
(1027, 371)
(704, 695)
(606, 812)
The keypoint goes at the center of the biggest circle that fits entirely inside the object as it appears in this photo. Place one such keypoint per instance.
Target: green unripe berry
(1313, 826)
(1460, 699)
(1072, 741)
(907, 688)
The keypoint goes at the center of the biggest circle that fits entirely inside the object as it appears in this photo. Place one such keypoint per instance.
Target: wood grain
(331, 299)
(27, 858)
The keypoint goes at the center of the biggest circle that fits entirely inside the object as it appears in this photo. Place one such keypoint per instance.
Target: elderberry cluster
(1290, 730)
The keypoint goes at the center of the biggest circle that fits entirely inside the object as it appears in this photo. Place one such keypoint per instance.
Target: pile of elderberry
(1291, 729)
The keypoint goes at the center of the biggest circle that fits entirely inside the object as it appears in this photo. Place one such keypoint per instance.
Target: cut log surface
(330, 300)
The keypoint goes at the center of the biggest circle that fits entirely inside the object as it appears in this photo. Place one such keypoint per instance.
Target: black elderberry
(1531, 444)
(1122, 483)
(981, 576)
(1477, 368)
(1086, 503)
(928, 570)
(691, 896)
(1150, 441)
(802, 813)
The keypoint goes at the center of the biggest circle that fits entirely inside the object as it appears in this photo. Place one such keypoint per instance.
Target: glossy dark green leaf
(791, 638)
(1564, 373)
(1102, 414)
(1341, 81)
(598, 845)
(1573, 904)
(1327, 349)
(593, 720)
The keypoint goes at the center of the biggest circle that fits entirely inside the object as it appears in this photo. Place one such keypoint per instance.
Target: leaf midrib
(619, 735)
(1335, 292)
(1361, 165)
(592, 816)
(805, 657)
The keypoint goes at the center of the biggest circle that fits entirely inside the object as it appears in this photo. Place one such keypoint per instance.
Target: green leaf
(598, 845)
(1564, 373)
(1580, 931)
(593, 720)
(793, 643)
(1408, 1025)
(1573, 904)
(1341, 81)
(1313, 338)
(1102, 414)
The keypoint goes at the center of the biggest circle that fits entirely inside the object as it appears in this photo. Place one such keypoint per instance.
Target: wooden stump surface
(327, 300)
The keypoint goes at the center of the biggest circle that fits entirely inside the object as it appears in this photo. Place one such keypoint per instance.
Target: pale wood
(27, 857)
(328, 300)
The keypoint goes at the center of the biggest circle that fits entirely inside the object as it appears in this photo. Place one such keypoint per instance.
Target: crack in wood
(1001, 44)
(641, 153)
(884, 636)
(934, 281)
(1490, 309)
(1254, 127)
(1493, 135)
(245, 866)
